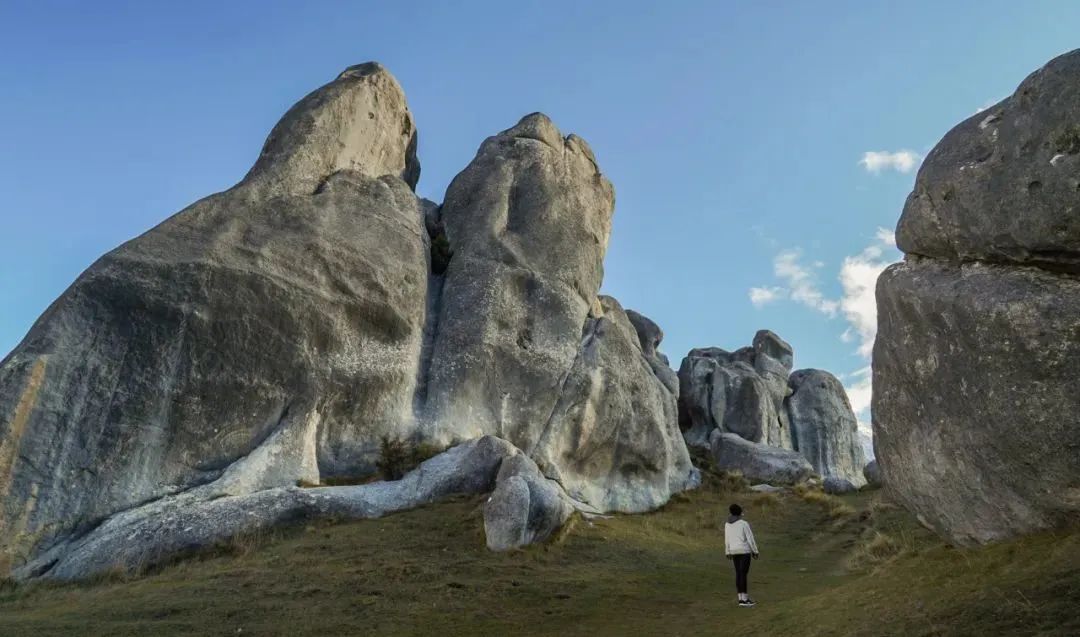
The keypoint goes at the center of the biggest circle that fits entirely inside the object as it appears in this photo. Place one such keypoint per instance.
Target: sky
(760, 151)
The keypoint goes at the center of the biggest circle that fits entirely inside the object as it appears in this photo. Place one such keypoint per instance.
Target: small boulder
(834, 485)
(872, 473)
(525, 507)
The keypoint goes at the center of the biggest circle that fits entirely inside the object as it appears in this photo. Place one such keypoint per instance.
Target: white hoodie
(738, 538)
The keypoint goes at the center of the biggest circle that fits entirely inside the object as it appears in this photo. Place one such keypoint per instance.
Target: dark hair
(735, 509)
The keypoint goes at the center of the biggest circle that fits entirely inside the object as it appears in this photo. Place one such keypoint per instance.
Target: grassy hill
(829, 566)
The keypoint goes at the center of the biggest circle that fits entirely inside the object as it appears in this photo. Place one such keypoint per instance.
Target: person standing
(740, 547)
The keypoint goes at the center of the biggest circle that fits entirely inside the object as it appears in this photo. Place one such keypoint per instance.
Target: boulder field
(274, 334)
(978, 342)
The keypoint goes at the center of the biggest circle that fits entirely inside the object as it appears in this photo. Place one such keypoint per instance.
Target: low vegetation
(872, 571)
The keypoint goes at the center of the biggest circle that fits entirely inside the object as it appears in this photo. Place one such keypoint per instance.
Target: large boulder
(740, 392)
(291, 304)
(528, 224)
(974, 400)
(1001, 185)
(758, 462)
(823, 425)
(977, 350)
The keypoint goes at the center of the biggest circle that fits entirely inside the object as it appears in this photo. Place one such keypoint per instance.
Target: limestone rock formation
(516, 352)
(753, 394)
(527, 223)
(289, 305)
(613, 437)
(741, 392)
(275, 332)
(977, 350)
(758, 462)
(208, 515)
(823, 426)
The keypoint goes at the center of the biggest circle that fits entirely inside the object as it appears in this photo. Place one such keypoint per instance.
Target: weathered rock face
(528, 223)
(758, 462)
(741, 392)
(273, 333)
(209, 515)
(293, 301)
(613, 438)
(823, 425)
(978, 344)
(1001, 186)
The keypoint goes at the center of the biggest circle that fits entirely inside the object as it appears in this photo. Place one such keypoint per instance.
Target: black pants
(742, 569)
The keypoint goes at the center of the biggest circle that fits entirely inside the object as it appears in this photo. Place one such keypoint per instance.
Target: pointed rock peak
(358, 122)
(768, 343)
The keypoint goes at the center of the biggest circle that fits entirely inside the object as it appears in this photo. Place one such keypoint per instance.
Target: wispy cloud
(876, 161)
(760, 297)
(858, 278)
(801, 282)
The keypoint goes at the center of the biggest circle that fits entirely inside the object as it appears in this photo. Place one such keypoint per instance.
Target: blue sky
(736, 134)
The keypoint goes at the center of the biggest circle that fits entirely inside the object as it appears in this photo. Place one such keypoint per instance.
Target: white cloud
(760, 297)
(802, 282)
(885, 237)
(903, 161)
(858, 277)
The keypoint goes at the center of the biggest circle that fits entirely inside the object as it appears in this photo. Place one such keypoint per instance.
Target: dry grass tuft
(834, 506)
(875, 551)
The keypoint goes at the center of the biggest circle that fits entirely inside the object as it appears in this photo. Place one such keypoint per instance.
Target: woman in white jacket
(740, 547)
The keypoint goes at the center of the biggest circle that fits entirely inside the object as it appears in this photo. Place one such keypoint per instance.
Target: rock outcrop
(290, 305)
(758, 462)
(977, 349)
(210, 515)
(741, 392)
(613, 437)
(753, 394)
(823, 426)
(274, 333)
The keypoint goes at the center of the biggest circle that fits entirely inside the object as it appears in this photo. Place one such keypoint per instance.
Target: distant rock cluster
(978, 343)
(752, 413)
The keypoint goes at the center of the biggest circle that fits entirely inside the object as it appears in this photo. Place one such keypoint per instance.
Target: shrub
(397, 456)
(440, 253)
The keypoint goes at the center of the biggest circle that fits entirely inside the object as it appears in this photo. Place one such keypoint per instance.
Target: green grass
(824, 570)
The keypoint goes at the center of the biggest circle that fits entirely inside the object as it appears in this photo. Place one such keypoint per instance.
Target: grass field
(848, 566)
